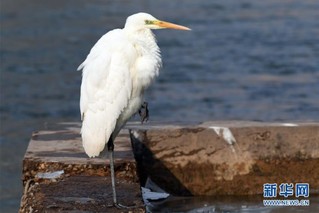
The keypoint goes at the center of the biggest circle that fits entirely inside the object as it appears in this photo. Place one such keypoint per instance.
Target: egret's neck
(143, 39)
(148, 60)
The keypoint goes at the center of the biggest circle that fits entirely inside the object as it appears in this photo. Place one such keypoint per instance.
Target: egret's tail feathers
(95, 132)
(80, 67)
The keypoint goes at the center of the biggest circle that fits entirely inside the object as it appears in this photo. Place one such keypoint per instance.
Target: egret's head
(147, 21)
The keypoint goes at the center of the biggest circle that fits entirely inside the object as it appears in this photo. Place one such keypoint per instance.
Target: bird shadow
(148, 166)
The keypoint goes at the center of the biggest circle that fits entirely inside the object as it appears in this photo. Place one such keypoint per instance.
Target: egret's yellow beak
(164, 24)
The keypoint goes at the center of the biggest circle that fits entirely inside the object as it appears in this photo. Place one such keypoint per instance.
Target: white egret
(116, 72)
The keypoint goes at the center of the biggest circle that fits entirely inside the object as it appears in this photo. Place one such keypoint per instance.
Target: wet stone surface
(81, 194)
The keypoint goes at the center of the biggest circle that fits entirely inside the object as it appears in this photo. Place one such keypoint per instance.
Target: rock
(226, 158)
(59, 177)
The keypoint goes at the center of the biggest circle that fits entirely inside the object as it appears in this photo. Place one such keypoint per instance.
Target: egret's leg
(110, 147)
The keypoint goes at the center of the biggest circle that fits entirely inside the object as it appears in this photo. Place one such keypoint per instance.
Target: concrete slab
(59, 177)
(227, 157)
(211, 158)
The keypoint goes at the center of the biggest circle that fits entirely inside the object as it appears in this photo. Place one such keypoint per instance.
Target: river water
(244, 60)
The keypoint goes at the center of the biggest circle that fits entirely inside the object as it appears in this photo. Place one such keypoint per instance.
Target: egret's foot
(143, 112)
(121, 206)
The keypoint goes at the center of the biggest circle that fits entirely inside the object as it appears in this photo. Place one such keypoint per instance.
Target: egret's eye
(148, 22)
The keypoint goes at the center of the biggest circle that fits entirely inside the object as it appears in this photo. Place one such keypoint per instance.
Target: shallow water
(245, 59)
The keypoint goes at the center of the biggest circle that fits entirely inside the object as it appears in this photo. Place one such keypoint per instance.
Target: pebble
(42, 166)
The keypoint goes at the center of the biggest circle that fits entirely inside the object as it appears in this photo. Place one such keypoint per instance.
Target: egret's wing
(105, 90)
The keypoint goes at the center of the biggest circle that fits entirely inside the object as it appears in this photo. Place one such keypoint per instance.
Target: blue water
(244, 59)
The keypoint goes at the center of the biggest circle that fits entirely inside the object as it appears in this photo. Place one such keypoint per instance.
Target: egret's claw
(143, 112)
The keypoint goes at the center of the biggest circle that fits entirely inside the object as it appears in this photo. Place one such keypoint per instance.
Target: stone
(226, 158)
(59, 177)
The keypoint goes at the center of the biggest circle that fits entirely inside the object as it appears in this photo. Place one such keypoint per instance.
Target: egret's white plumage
(119, 67)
